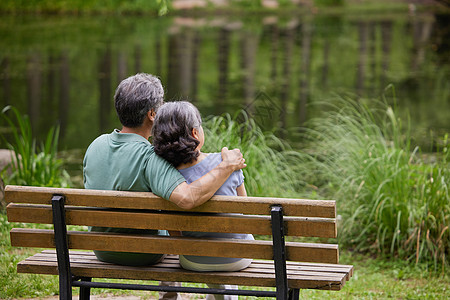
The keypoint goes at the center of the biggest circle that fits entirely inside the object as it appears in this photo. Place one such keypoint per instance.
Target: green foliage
(270, 162)
(82, 6)
(392, 200)
(247, 3)
(31, 164)
(14, 285)
(162, 7)
(329, 2)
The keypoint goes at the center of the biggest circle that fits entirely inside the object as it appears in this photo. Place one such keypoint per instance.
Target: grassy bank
(394, 199)
(80, 7)
(162, 7)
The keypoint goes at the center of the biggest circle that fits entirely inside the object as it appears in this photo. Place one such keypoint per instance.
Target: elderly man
(125, 160)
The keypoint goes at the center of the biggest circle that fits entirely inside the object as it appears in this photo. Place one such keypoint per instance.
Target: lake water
(64, 69)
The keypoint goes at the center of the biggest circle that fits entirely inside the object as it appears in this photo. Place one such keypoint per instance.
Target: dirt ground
(107, 297)
(93, 297)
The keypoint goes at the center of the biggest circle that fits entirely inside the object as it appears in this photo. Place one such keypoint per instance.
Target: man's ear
(195, 133)
(151, 115)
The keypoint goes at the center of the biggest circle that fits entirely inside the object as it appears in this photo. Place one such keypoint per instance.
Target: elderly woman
(178, 137)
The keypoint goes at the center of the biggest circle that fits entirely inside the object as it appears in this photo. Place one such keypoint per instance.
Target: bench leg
(85, 292)
(65, 290)
(62, 251)
(294, 294)
(279, 252)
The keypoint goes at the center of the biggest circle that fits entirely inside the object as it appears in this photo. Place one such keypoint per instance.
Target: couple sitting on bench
(173, 167)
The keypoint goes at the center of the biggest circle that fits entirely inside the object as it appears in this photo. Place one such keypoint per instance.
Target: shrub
(33, 165)
(393, 201)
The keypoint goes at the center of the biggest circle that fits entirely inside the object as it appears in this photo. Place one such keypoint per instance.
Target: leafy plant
(394, 201)
(162, 7)
(32, 164)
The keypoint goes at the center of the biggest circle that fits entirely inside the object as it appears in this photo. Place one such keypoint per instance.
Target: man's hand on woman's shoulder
(191, 195)
(233, 158)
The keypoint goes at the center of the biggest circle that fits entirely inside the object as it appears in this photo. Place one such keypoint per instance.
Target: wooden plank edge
(144, 200)
(41, 238)
(137, 273)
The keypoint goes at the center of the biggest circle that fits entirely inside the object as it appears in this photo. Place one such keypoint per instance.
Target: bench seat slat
(323, 278)
(294, 226)
(173, 259)
(261, 264)
(256, 265)
(254, 268)
(41, 238)
(144, 200)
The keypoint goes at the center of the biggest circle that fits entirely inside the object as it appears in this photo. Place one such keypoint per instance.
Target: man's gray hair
(136, 96)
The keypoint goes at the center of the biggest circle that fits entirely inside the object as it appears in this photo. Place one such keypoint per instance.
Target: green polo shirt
(128, 162)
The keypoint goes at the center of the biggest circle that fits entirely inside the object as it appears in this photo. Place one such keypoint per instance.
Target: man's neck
(142, 131)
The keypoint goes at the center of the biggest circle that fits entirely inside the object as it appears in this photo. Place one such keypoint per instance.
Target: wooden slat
(145, 200)
(324, 253)
(181, 275)
(45, 263)
(260, 264)
(294, 226)
(253, 268)
(173, 259)
(257, 266)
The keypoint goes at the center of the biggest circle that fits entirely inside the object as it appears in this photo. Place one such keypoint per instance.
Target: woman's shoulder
(214, 155)
(213, 159)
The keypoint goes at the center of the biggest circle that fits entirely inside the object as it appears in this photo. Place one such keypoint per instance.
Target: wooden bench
(286, 265)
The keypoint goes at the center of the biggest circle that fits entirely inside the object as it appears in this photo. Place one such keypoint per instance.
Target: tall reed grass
(394, 200)
(270, 161)
(33, 163)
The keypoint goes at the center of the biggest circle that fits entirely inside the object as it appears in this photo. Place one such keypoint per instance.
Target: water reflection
(104, 76)
(273, 67)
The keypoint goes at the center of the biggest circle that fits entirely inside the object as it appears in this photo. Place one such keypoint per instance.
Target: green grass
(13, 284)
(271, 163)
(393, 202)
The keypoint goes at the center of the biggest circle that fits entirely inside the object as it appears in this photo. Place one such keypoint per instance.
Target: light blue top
(211, 161)
(228, 188)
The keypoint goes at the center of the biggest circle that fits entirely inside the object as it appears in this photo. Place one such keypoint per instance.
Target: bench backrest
(144, 210)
